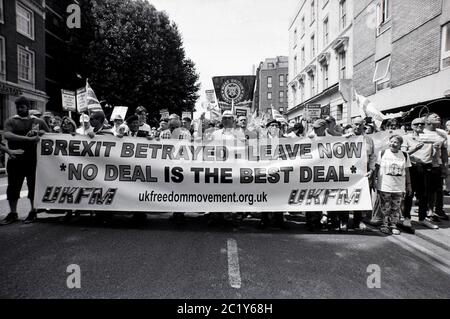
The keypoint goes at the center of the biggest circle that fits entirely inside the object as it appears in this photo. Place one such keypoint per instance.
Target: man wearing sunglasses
(421, 160)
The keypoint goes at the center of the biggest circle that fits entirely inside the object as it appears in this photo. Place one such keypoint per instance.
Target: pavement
(162, 260)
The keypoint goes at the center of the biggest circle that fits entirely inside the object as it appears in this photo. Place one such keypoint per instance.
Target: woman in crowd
(392, 181)
(68, 126)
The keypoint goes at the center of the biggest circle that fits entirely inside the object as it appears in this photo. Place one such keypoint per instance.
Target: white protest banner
(210, 96)
(68, 101)
(314, 111)
(119, 111)
(134, 174)
(81, 100)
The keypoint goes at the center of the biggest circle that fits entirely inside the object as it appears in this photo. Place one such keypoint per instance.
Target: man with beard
(22, 131)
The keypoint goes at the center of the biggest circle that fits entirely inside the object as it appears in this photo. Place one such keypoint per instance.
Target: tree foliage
(133, 55)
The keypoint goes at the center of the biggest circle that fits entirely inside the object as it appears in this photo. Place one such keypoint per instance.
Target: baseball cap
(84, 118)
(358, 120)
(227, 114)
(273, 122)
(140, 110)
(419, 120)
(319, 123)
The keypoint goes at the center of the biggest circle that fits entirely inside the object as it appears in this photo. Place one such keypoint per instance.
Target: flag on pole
(276, 115)
(368, 109)
(93, 105)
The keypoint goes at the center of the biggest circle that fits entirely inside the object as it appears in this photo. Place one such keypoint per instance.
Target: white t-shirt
(82, 131)
(146, 128)
(392, 173)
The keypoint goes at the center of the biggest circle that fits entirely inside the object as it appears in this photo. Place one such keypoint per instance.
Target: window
(303, 57)
(295, 37)
(302, 92)
(342, 65)
(281, 109)
(269, 82)
(295, 66)
(313, 47)
(446, 46)
(25, 64)
(343, 14)
(2, 20)
(340, 112)
(281, 79)
(281, 96)
(325, 31)
(383, 12)
(24, 21)
(312, 81)
(269, 95)
(303, 26)
(325, 76)
(383, 16)
(313, 11)
(382, 74)
(270, 65)
(2, 56)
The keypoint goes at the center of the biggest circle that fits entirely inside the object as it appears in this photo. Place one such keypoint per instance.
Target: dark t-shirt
(21, 126)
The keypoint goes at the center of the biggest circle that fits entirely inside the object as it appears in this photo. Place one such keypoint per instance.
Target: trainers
(442, 215)
(395, 231)
(407, 223)
(343, 226)
(435, 218)
(428, 224)
(386, 230)
(9, 219)
(31, 218)
(362, 226)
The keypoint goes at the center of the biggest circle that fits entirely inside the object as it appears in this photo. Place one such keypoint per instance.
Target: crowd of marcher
(414, 164)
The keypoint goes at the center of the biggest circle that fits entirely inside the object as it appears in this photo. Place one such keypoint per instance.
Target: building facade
(271, 85)
(402, 54)
(22, 53)
(320, 58)
(59, 73)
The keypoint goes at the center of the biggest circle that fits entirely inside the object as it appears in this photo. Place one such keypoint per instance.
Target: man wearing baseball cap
(319, 129)
(227, 132)
(439, 164)
(421, 160)
(85, 125)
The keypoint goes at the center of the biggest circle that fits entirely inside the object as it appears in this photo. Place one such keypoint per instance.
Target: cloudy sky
(228, 37)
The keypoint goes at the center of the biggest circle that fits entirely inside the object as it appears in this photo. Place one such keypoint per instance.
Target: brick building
(59, 72)
(402, 54)
(271, 84)
(320, 58)
(22, 53)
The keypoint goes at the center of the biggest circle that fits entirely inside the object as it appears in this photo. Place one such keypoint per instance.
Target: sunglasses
(417, 124)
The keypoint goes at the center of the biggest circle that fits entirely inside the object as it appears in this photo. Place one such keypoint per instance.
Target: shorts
(17, 172)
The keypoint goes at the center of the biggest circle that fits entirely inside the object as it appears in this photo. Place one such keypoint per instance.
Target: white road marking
(234, 274)
(420, 251)
(423, 253)
(22, 194)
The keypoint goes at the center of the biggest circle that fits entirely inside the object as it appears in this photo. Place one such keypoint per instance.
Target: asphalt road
(163, 260)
